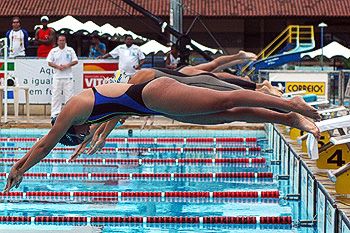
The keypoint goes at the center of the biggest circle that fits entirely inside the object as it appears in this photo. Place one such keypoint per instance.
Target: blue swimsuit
(129, 103)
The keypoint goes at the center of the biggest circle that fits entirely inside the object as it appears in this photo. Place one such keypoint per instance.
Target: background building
(235, 24)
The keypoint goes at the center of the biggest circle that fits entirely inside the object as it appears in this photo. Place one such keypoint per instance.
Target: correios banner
(37, 75)
(310, 82)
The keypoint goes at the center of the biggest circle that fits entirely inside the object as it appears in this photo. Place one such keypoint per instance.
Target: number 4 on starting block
(334, 154)
(334, 157)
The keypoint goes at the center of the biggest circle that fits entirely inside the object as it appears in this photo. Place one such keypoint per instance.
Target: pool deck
(132, 123)
(342, 201)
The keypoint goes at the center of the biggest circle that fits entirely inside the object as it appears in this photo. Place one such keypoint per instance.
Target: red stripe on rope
(230, 220)
(60, 219)
(284, 220)
(15, 219)
(197, 194)
(276, 220)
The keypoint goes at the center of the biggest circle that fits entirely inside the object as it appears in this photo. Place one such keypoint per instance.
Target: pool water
(79, 199)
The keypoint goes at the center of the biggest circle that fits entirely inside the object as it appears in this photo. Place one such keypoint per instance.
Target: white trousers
(65, 85)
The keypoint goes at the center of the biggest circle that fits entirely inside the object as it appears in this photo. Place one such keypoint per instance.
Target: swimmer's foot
(300, 106)
(304, 124)
(268, 91)
(247, 55)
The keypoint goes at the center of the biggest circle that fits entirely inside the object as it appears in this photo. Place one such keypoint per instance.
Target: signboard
(95, 74)
(37, 75)
(312, 82)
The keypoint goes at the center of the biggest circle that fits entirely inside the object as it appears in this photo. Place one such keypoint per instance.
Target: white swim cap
(121, 77)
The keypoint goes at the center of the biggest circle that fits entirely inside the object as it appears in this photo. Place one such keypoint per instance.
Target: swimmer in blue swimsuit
(167, 97)
(192, 76)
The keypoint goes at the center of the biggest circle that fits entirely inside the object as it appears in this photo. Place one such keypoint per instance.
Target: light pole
(322, 26)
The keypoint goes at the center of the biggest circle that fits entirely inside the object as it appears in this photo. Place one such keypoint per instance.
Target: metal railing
(323, 208)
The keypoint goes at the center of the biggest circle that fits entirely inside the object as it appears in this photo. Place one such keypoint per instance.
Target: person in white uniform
(61, 58)
(172, 58)
(130, 56)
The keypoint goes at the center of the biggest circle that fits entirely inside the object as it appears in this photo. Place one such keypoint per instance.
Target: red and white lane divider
(170, 194)
(145, 150)
(246, 150)
(113, 161)
(143, 176)
(183, 141)
(80, 220)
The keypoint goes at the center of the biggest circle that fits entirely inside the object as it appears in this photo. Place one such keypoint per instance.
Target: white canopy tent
(153, 46)
(331, 50)
(67, 22)
(73, 25)
(204, 48)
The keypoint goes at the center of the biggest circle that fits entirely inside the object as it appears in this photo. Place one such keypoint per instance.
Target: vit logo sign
(92, 80)
(317, 88)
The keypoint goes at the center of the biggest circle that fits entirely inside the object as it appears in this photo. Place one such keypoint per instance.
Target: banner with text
(310, 82)
(37, 75)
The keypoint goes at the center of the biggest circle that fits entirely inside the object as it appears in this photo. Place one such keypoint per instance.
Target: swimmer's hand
(78, 151)
(96, 144)
(14, 179)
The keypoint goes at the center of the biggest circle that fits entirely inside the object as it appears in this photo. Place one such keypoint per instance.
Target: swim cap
(121, 77)
(70, 138)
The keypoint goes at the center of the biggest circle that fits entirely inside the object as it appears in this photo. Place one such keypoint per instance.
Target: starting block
(326, 135)
(295, 134)
(341, 178)
(334, 153)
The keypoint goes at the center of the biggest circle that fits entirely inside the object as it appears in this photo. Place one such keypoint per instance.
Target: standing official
(61, 58)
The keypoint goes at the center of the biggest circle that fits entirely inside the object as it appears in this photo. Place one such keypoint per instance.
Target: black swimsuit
(129, 103)
(226, 83)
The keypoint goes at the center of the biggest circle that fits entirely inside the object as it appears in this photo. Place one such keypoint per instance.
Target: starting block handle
(331, 110)
(341, 179)
(340, 139)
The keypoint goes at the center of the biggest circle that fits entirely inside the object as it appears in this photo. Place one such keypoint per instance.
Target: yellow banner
(317, 88)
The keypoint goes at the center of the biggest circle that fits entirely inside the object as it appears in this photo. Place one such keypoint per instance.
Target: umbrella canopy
(331, 50)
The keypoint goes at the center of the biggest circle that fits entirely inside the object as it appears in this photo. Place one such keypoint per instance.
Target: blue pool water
(149, 206)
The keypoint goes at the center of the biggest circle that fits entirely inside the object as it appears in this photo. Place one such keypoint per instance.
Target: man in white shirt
(130, 57)
(17, 39)
(61, 58)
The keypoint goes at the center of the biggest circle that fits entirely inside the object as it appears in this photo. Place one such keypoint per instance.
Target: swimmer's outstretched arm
(99, 140)
(81, 148)
(43, 147)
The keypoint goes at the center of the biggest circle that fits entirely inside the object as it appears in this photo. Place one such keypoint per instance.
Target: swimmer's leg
(253, 115)
(207, 81)
(227, 60)
(170, 97)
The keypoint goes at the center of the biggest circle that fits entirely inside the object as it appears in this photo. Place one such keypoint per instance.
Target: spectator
(97, 48)
(17, 39)
(45, 37)
(61, 58)
(172, 58)
(130, 56)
